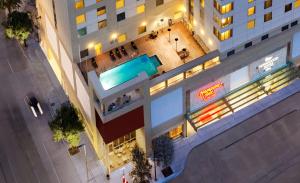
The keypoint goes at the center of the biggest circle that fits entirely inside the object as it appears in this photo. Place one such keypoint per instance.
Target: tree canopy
(18, 26)
(163, 150)
(141, 172)
(67, 125)
(10, 4)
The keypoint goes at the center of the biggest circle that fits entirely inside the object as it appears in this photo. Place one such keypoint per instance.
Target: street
(27, 152)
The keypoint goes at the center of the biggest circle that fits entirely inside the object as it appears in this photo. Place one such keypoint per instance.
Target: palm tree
(10, 5)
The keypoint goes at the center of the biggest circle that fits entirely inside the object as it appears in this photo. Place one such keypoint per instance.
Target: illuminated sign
(268, 64)
(211, 92)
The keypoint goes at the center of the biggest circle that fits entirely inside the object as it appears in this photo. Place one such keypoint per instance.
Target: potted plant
(163, 152)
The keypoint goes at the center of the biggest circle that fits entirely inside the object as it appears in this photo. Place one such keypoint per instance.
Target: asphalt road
(27, 153)
(263, 149)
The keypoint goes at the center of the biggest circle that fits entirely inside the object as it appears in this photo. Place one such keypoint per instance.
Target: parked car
(34, 105)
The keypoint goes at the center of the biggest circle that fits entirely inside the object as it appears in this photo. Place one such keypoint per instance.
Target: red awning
(121, 125)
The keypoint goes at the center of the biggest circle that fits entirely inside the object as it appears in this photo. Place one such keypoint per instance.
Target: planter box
(73, 150)
(167, 171)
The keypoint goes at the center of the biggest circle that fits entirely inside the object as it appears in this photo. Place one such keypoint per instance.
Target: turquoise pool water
(129, 70)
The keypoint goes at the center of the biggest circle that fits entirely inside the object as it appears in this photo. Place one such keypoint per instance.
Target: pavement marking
(51, 163)
(9, 66)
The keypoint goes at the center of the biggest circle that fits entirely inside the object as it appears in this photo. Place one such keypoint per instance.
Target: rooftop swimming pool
(129, 70)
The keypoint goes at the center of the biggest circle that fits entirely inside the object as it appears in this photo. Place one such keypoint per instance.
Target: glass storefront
(176, 132)
(120, 150)
(243, 96)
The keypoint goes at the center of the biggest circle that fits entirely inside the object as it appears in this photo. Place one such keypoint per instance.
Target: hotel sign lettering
(209, 93)
(268, 64)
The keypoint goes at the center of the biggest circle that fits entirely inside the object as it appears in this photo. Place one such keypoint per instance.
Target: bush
(163, 150)
(18, 26)
(67, 125)
(141, 172)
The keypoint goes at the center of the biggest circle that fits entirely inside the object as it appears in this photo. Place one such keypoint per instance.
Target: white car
(34, 105)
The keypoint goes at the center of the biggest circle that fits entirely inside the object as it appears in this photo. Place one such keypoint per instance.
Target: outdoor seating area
(174, 46)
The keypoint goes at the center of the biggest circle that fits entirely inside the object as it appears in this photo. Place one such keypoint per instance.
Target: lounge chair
(117, 51)
(112, 56)
(94, 63)
(133, 45)
(124, 51)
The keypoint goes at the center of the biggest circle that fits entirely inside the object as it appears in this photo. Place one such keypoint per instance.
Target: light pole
(154, 161)
(176, 39)
(162, 25)
(86, 167)
(169, 30)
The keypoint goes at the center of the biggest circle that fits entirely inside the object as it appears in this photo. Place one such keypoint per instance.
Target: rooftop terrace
(163, 46)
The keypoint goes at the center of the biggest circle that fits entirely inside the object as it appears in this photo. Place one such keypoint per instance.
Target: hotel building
(138, 69)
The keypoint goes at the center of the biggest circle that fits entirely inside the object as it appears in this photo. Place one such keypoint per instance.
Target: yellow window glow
(101, 11)
(80, 19)
(297, 3)
(251, 24)
(98, 49)
(251, 11)
(79, 4)
(120, 4)
(140, 9)
(122, 38)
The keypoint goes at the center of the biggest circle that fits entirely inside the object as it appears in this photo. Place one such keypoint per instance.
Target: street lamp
(162, 25)
(169, 30)
(176, 39)
(154, 161)
(86, 167)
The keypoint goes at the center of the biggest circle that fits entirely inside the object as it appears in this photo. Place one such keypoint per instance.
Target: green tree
(67, 125)
(18, 26)
(10, 4)
(163, 150)
(141, 172)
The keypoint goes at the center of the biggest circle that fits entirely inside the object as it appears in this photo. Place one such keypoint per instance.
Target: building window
(232, 52)
(286, 27)
(84, 53)
(101, 11)
(82, 32)
(120, 4)
(224, 35)
(176, 132)
(224, 21)
(250, 1)
(251, 24)
(142, 29)
(223, 9)
(294, 23)
(297, 3)
(268, 4)
(247, 45)
(159, 2)
(140, 9)
(98, 49)
(268, 17)
(266, 36)
(288, 7)
(79, 4)
(80, 19)
(120, 16)
(102, 24)
(122, 38)
(251, 11)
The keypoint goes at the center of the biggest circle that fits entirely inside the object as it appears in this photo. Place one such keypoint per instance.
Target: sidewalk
(184, 147)
(55, 96)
